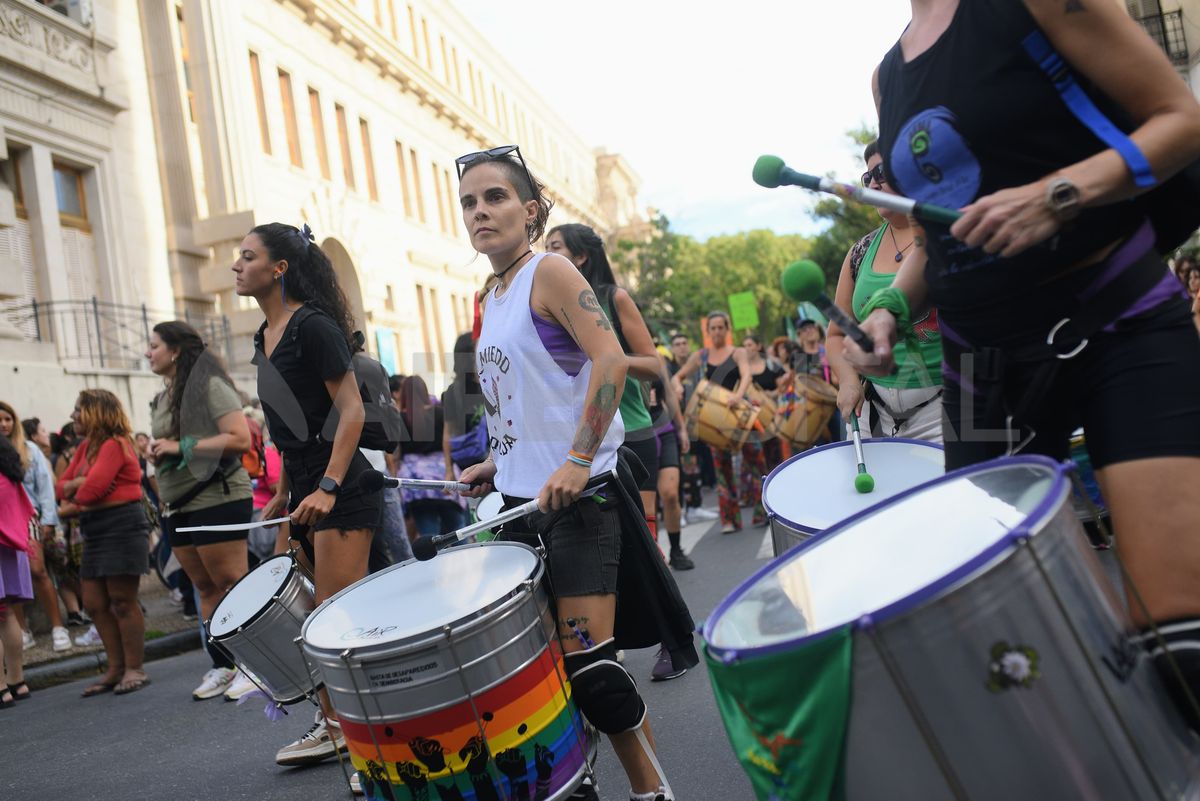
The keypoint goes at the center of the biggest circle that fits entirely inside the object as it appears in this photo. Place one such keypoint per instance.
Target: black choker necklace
(514, 264)
(896, 245)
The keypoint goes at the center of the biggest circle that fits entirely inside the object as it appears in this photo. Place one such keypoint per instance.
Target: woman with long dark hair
(16, 585)
(545, 344)
(421, 456)
(304, 351)
(103, 486)
(200, 433)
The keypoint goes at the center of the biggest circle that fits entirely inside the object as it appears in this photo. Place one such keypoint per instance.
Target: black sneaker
(77, 619)
(664, 668)
(681, 561)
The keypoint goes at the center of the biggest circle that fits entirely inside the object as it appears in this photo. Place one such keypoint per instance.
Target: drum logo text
(403, 675)
(373, 633)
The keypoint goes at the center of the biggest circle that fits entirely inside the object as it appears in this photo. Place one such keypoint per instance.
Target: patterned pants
(727, 486)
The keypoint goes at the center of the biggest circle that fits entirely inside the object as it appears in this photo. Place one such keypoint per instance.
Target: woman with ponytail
(199, 435)
(303, 352)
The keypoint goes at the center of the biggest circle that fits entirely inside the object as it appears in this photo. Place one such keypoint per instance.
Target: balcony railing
(94, 334)
(1167, 30)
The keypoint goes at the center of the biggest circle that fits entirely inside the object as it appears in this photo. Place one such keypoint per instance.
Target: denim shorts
(583, 544)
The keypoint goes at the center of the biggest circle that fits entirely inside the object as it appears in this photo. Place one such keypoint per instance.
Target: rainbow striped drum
(447, 674)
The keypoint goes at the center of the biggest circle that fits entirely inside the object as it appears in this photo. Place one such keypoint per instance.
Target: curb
(51, 673)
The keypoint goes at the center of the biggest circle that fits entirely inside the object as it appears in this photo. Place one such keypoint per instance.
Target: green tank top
(922, 368)
(635, 412)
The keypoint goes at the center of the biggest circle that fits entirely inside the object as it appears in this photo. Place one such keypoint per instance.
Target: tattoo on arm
(1074, 7)
(588, 302)
(596, 418)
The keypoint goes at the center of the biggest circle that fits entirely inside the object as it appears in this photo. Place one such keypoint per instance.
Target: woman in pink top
(103, 485)
(16, 584)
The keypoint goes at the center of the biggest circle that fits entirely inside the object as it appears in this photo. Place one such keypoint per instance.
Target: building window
(441, 201)
(379, 13)
(412, 29)
(10, 175)
(72, 203)
(457, 71)
(344, 144)
(451, 206)
(392, 18)
(368, 159)
(318, 124)
(289, 119)
(389, 301)
(404, 191)
(445, 60)
(425, 41)
(183, 60)
(416, 176)
(471, 80)
(437, 324)
(425, 338)
(260, 102)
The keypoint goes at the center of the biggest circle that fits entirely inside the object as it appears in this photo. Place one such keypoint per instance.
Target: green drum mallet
(862, 481)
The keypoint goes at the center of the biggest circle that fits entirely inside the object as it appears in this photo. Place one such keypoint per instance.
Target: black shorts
(1135, 391)
(354, 508)
(644, 445)
(239, 511)
(668, 449)
(583, 544)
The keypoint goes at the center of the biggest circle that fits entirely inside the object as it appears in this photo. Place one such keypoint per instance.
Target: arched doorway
(347, 276)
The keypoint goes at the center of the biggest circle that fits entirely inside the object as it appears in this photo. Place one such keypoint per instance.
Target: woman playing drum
(552, 374)
(1054, 305)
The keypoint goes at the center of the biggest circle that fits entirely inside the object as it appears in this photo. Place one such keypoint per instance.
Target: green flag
(786, 715)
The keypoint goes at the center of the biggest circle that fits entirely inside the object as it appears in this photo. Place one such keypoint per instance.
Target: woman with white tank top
(552, 372)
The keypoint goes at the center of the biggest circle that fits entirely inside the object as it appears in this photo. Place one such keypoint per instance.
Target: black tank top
(726, 373)
(974, 114)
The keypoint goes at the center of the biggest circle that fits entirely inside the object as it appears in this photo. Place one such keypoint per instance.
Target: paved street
(159, 744)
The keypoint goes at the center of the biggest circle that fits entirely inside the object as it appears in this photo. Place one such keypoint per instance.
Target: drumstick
(863, 481)
(374, 481)
(238, 526)
(425, 548)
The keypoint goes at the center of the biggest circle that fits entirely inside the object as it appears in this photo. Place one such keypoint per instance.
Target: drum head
(252, 592)
(416, 598)
(814, 490)
(490, 506)
(892, 557)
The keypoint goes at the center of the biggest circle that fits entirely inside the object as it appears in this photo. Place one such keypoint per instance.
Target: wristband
(893, 300)
(579, 459)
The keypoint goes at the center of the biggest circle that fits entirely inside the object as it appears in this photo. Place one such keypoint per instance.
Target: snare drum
(958, 641)
(805, 410)
(710, 419)
(814, 490)
(258, 622)
(448, 673)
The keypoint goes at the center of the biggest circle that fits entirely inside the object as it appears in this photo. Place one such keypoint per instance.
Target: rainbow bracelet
(579, 459)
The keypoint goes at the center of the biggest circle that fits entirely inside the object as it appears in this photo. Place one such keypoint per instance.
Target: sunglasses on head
(463, 162)
(875, 174)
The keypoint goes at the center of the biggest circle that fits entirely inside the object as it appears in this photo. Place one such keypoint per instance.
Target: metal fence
(1167, 30)
(91, 334)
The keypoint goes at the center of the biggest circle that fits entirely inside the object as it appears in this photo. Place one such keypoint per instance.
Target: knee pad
(604, 691)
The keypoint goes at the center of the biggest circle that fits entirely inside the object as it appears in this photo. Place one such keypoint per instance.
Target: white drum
(814, 490)
(258, 623)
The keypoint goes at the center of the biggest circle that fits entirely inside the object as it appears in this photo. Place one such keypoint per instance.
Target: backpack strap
(1078, 103)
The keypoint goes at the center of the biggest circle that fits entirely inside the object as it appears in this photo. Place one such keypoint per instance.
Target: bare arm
(347, 401)
(746, 378)
(233, 436)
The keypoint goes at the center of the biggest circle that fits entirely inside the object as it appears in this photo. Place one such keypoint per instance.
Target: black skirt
(116, 541)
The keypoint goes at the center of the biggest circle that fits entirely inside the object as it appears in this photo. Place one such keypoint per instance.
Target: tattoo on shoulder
(589, 302)
(1074, 7)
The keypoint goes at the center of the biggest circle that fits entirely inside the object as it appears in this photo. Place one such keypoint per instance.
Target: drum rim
(1033, 521)
(803, 529)
(292, 569)
(424, 634)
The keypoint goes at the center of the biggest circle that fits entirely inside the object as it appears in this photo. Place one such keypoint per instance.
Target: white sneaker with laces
(241, 685)
(315, 745)
(700, 513)
(89, 638)
(27, 640)
(61, 637)
(215, 682)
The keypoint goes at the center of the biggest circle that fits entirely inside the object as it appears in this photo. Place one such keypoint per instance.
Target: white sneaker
(175, 597)
(89, 638)
(215, 682)
(314, 745)
(356, 783)
(62, 638)
(700, 513)
(682, 520)
(241, 685)
(27, 640)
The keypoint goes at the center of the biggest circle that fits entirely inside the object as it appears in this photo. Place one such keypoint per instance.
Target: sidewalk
(166, 633)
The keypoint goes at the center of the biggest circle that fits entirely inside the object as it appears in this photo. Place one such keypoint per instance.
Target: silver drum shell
(266, 646)
(414, 676)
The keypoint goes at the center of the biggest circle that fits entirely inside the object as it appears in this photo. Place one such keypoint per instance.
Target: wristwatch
(1062, 196)
(328, 485)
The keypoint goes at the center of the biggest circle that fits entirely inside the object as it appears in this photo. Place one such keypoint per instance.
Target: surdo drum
(447, 674)
(814, 490)
(258, 623)
(958, 641)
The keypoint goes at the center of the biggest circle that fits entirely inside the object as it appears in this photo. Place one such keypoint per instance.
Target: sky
(692, 93)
